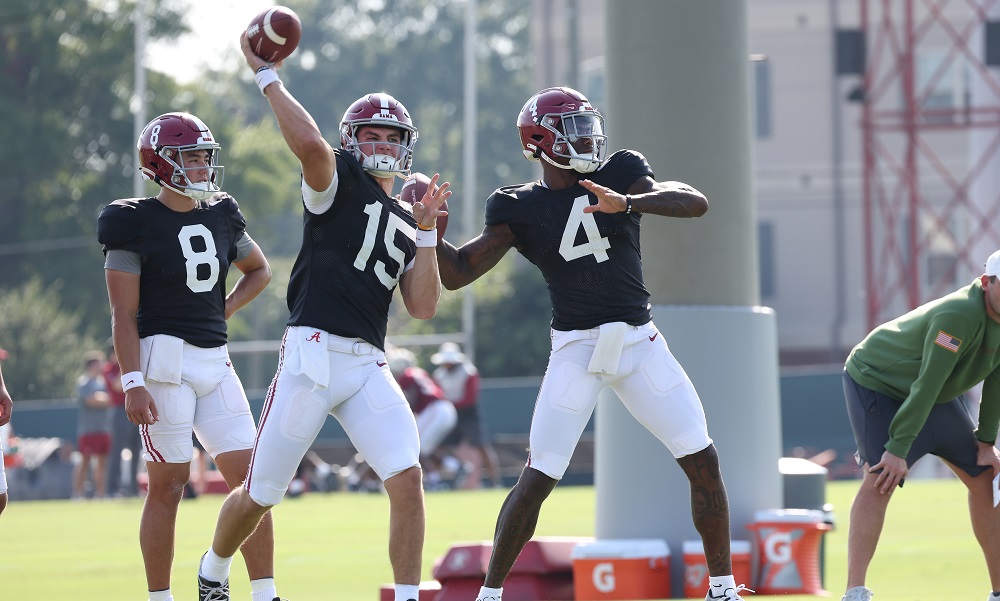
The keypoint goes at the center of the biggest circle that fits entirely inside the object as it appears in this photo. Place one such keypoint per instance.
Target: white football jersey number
(193, 258)
(395, 224)
(595, 245)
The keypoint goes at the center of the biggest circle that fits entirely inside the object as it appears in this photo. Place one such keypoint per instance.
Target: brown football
(414, 189)
(274, 33)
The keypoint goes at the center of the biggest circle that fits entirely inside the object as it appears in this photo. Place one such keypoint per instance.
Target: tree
(66, 74)
(511, 322)
(46, 341)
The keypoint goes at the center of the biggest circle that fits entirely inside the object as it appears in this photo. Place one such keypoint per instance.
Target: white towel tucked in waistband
(608, 350)
(163, 357)
(306, 353)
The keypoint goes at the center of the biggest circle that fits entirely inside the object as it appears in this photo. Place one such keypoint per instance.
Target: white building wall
(795, 186)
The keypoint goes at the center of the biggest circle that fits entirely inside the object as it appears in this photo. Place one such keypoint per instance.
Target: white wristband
(427, 238)
(266, 76)
(132, 379)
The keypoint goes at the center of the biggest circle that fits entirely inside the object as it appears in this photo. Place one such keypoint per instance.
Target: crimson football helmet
(562, 127)
(379, 110)
(161, 144)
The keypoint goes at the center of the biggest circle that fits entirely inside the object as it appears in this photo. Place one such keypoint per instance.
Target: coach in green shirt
(904, 385)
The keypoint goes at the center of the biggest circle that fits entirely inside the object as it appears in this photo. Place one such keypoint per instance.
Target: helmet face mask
(162, 147)
(379, 110)
(380, 154)
(560, 126)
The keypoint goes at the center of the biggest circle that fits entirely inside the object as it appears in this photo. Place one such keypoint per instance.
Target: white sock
(490, 593)
(722, 582)
(215, 568)
(161, 595)
(263, 589)
(406, 592)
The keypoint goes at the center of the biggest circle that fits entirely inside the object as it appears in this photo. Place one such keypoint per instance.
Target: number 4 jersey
(590, 261)
(184, 260)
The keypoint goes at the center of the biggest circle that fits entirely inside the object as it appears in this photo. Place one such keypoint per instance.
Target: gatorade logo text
(778, 547)
(695, 574)
(604, 577)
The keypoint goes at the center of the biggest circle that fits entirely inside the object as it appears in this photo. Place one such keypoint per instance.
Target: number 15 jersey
(352, 257)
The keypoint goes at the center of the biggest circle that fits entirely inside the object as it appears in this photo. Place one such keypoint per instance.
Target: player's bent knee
(551, 465)
(264, 496)
(406, 485)
(396, 462)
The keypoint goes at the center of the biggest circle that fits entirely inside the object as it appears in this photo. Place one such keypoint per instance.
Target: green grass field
(334, 546)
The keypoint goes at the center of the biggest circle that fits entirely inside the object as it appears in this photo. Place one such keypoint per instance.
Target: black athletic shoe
(209, 590)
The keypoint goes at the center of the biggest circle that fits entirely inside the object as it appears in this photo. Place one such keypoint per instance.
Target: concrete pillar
(677, 77)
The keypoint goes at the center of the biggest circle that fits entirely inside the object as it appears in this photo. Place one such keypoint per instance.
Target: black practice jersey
(590, 261)
(185, 260)
(351, 258)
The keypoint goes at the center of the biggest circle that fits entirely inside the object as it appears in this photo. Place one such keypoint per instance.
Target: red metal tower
(931, 148)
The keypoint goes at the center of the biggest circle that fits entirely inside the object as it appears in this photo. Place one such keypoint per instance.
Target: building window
(762, 97)
(941, 271)
(941, 87)
(768, 269)
(592, 74)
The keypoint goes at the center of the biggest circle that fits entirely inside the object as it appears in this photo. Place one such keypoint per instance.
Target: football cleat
(209, 590)
(858, 593)
(730, 594)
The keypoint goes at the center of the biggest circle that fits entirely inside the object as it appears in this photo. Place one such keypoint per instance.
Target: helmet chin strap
(382, 165)
(200, 191)
(585, 165)
(578, 164)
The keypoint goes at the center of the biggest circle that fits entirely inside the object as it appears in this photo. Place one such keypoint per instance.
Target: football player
(166, 262)
(580, 226)
(6, 407)
(436, 416)
(359, 243)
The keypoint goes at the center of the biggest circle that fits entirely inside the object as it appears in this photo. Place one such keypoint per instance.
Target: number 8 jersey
(184, 258)
(590, 261)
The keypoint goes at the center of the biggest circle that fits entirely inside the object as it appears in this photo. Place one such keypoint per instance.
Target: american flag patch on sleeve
(947, 341)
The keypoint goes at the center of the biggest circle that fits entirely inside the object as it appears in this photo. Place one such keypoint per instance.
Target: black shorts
(949, 432)
(471, 429)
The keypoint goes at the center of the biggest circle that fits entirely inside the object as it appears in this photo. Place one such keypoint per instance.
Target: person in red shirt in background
(6, 407)
(459, 379)
(124, 435)
(436, 417)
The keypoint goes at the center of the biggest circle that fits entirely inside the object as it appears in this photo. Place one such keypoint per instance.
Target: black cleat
(209, 590)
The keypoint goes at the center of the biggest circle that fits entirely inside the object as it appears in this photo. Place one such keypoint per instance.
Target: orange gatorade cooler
(788, 542)
(621, 569)
(696, 569)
